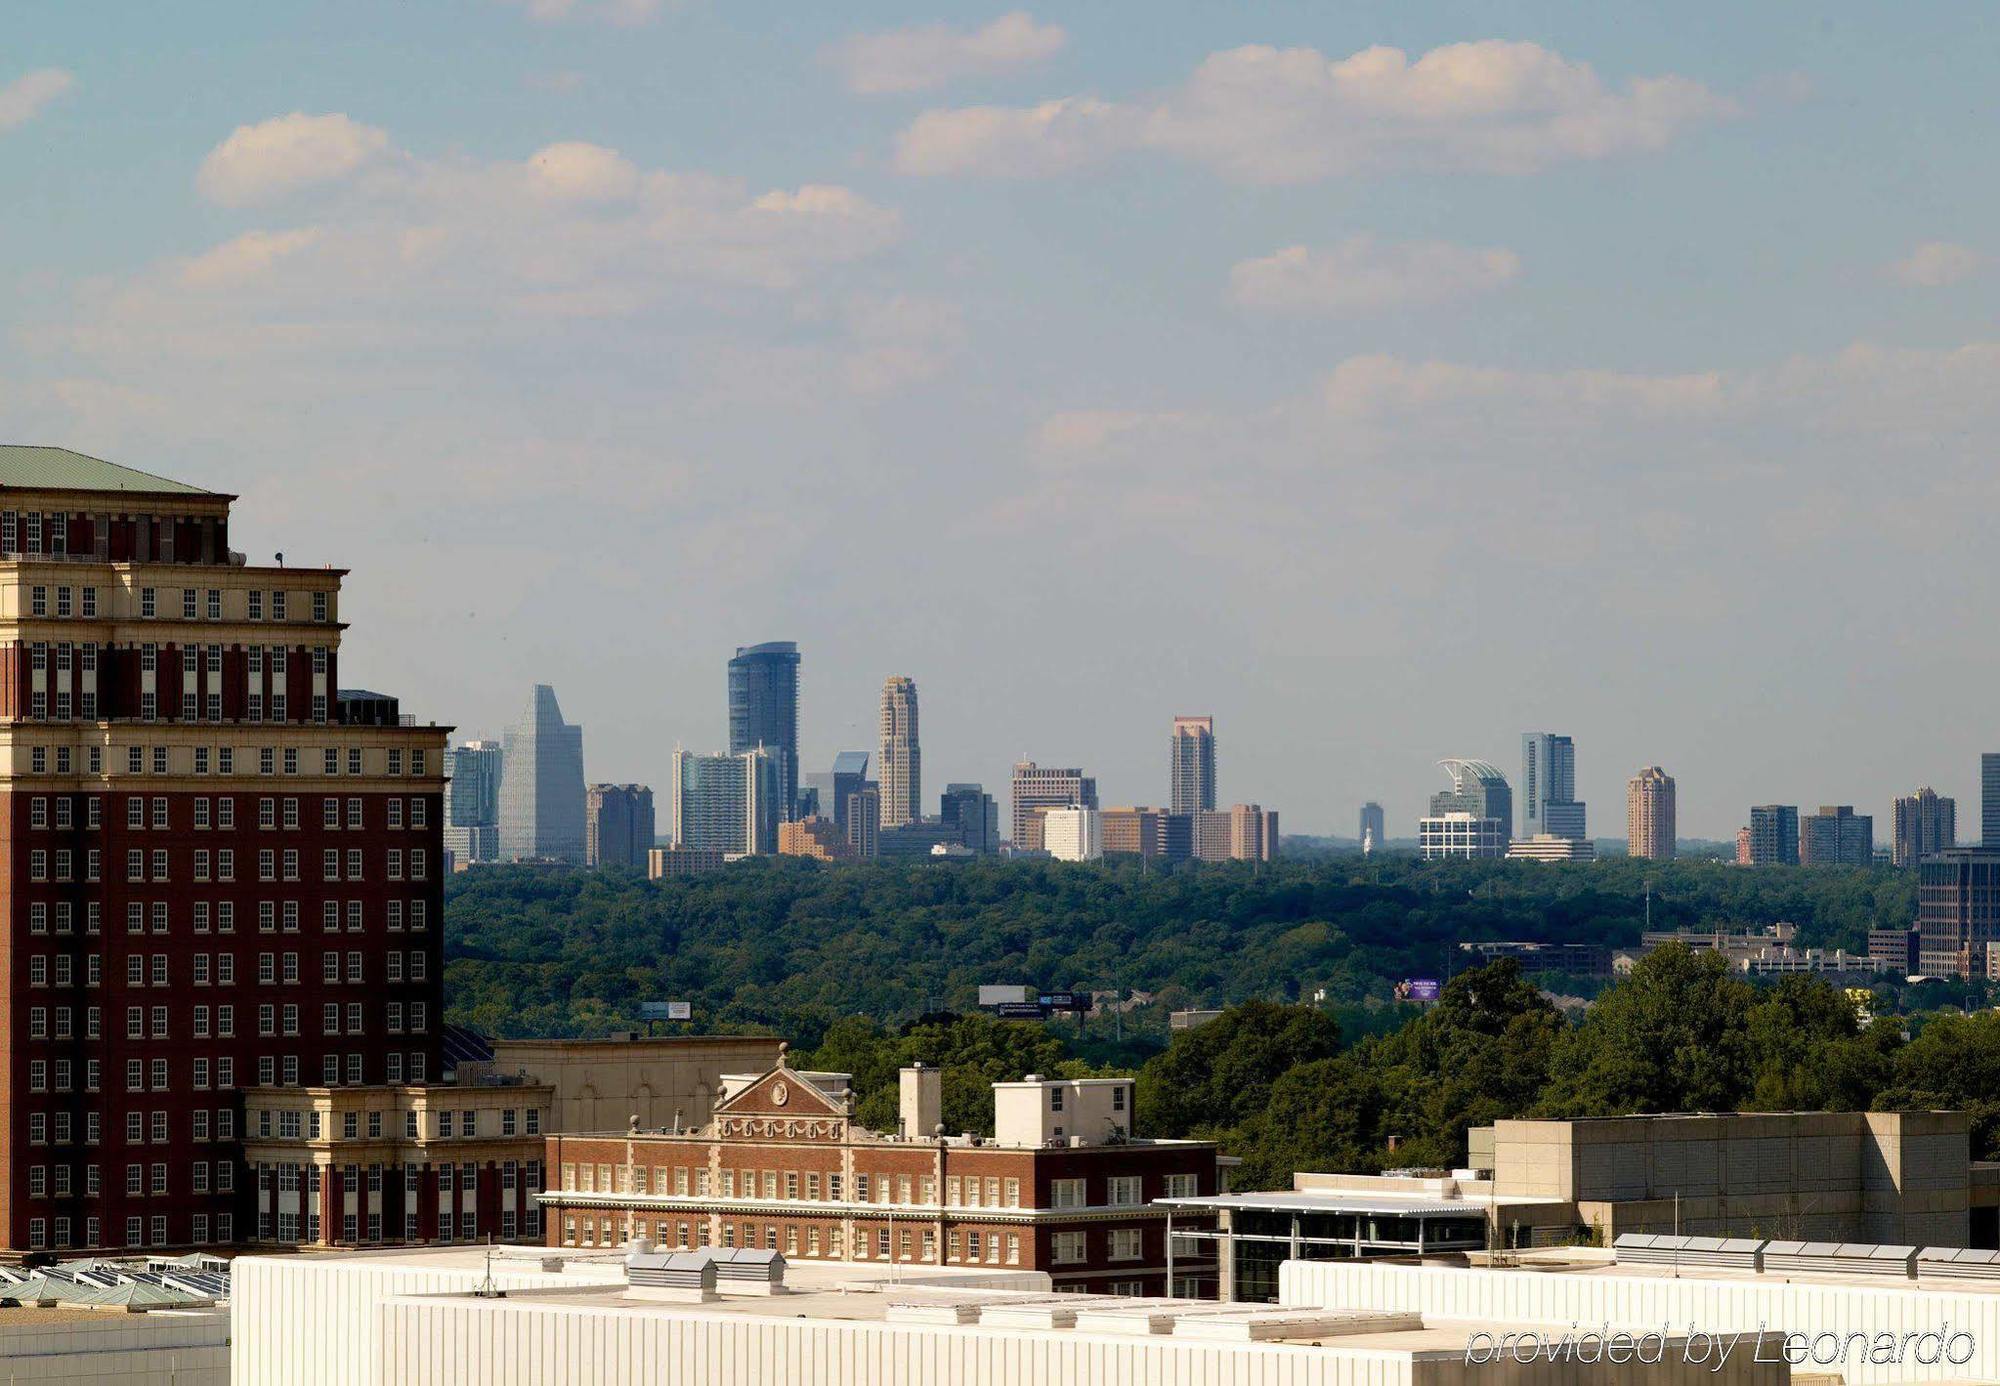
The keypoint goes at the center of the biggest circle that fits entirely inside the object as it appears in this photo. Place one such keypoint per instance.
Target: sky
(1385, 380)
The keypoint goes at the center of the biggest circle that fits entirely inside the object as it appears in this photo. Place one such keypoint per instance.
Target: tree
(1672, 1037)
(1217, 1076)
(1482, 1053)
(1324, 1114)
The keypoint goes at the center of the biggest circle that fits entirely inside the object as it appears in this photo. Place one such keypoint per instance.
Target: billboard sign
(665, 1010)
(1020, 1010)
(1417, 989)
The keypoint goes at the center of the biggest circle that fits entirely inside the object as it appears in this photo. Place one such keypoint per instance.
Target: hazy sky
(1384, 379)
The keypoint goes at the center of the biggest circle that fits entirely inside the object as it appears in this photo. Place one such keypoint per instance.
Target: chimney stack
(922, 1107)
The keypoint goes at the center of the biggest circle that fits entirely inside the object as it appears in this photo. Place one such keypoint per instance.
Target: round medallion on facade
(780, 1094)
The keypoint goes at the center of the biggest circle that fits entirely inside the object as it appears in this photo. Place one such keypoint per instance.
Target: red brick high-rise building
(219, 871)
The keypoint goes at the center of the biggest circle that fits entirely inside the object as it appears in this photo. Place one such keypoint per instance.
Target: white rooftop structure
(430, 1318)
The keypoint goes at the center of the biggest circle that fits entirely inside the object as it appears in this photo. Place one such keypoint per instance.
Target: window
(1122, 1190)
(1066, 1193)
(1125, 1244)
(1066, 1248)
(1182, 1186)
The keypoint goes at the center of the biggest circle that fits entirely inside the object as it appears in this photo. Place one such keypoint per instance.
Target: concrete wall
(80, 1348)
(600, 1084)
(316, 1320)
(1849, 1176)
(1644, 1302)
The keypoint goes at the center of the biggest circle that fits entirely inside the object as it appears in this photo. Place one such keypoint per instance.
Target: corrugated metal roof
(61, 469)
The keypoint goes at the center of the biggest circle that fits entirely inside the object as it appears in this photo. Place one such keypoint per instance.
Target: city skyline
(683, 307)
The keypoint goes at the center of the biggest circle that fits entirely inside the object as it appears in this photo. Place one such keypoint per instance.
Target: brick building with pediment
(1062, 1186)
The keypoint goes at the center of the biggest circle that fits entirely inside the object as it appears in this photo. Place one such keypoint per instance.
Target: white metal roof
(1331, 1201)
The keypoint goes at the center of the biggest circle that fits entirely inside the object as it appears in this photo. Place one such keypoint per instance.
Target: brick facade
(208, 880)
(782, 1166)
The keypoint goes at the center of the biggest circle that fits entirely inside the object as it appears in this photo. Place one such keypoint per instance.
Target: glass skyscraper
(1548, 787)
(764, 710)
(541, 785)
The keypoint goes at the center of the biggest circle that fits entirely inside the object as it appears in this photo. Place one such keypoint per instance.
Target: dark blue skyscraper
(764, 710)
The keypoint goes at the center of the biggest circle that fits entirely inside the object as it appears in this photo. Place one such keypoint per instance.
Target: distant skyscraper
(1774, 835)
(864, 820)
(900, 769)
(1958, 912)
(1474, 818)
(1837, 836)
(1548, 787)
(618, 825)
(1192, 767)
(1926, 823)
(1045, 787)
(472, 801)
(727, 803)
(972, 811)
(1374, 826)
(541, 784)
(1649, 814)
(764, 710)
(1989, 800)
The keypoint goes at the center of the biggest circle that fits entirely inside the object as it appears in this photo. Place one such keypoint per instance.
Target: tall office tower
(1649, 814)
(764, 710)
(1046, 787)
(1926, 823)
(725, 803)
(1989, 800)
(864, 820)
(1374, 826)
(472, 801)
(541, 785)
(1774, 835)
(901, 768)
(1837, 836)
(1191, 786)
(1743, 853)
(970, 809)
(183, 776)
(618, 825)
(1548, 787)
(1958, 912)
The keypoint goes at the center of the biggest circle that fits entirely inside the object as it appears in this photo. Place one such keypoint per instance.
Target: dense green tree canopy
(792, 945)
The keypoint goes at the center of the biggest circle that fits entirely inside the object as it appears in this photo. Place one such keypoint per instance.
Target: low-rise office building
(1062, 1186)
(1890, 1177)
(373, 1165)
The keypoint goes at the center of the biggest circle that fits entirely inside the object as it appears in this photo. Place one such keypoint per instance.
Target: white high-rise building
(1073, 834)
(900, 770)
(472, 801)
(725, 803)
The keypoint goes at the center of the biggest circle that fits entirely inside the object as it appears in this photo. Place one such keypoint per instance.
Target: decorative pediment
(782, 1096)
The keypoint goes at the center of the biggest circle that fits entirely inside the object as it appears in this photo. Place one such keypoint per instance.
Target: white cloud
(1016, 142)
(22, 99)
(898, 341)
(1362, 274)
(932, 55)
(277, 156)
(1935, 264)
(251, 254)
(623, 13)
(1269, 115)
(578, 172)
